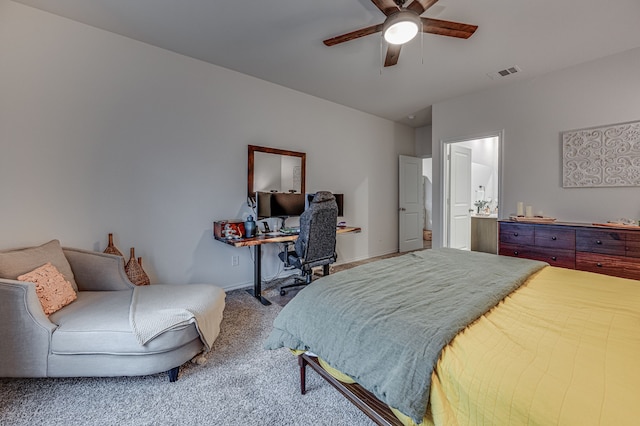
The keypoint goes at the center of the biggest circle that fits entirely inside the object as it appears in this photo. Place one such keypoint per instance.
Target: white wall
(100, 133)
(533, 113)
(423, 141)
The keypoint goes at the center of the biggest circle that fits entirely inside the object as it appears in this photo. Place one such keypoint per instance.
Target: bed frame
(376, 410)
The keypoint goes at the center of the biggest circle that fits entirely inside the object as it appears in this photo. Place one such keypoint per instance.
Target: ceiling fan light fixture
(401, 27)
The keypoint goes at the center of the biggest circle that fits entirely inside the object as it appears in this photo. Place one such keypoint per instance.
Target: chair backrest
(316, 244)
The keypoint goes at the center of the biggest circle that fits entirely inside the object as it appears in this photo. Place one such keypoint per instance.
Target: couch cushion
(98, 323)
(52, 289)
(20, 261)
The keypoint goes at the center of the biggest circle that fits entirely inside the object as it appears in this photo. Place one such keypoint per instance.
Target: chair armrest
(94, 271)
(25, 331)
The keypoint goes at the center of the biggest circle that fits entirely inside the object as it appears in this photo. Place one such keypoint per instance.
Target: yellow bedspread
(564, 349)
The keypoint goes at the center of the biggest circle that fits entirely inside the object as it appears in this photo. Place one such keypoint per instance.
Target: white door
(460, 198)
(411, 202)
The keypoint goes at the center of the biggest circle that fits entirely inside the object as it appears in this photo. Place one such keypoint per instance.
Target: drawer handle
(516, 253)
(554, 238)
(599, 265)
(554, 258)
(515, 234)
(598, 242)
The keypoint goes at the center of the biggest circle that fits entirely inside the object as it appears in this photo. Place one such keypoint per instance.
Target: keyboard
(290, 231)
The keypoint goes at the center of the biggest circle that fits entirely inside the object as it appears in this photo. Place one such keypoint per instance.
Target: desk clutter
(229, 229)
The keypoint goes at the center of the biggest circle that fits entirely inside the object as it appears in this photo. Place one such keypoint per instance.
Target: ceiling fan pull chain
(381, 60)
(422, 46)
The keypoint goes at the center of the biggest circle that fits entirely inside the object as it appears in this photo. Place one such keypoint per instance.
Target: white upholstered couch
(95, 335)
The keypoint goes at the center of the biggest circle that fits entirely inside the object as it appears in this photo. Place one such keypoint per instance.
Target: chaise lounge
(112, 328)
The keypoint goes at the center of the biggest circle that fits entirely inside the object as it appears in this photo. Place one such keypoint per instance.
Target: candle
(520, 209)
(529, 211)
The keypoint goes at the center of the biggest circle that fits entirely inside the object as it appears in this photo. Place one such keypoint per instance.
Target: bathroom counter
(485, 216)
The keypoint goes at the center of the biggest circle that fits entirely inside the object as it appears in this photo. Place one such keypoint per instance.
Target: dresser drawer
(563, 258)
(633, 243)
(515, 250)
(601, 241)
(516, 234)
(555, 237)
(609, 265)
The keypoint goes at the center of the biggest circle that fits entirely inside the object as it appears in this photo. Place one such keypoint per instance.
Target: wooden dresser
(602, 249)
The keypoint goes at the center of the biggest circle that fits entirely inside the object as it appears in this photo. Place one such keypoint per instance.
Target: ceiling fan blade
(393, 53)
(386, 6)
(447, 28)
(353, 35)
(419, 6)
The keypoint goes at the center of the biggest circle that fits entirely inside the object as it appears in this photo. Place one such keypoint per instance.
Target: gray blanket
(386, 322)
(158, 308)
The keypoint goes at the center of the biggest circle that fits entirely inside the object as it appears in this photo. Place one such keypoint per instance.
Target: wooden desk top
(279, 238)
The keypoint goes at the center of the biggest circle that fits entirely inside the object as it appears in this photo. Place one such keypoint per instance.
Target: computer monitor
(285, 204)
(263, 205)
(339, 202)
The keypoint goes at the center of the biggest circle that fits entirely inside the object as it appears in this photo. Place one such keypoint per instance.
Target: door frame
(444, 179)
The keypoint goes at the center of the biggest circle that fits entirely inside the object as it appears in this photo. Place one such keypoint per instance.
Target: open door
(460, 198)
(411, 208)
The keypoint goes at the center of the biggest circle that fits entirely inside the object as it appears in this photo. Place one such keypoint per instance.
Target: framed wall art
(605, 156)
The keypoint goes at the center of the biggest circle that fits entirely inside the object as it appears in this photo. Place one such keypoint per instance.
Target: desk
(257, 242)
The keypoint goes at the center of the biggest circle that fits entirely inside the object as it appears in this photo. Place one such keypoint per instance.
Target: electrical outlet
(235, 260)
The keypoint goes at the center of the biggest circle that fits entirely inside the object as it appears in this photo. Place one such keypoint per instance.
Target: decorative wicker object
(135, 272)
(112, 249)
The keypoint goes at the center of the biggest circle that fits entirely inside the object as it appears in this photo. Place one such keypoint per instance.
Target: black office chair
(316, 244)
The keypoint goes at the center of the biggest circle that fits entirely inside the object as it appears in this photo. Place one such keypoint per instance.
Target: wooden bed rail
(376, 410)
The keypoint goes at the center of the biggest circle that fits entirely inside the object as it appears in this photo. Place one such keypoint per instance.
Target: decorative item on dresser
(605, 249)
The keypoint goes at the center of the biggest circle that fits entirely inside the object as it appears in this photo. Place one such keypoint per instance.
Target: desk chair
(316, 243)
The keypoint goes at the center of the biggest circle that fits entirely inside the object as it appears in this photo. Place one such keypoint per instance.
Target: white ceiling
(281, 41)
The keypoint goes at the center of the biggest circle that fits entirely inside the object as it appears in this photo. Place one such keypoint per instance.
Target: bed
(454, 337)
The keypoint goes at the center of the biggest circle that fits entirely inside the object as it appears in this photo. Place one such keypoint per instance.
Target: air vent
(505, 72)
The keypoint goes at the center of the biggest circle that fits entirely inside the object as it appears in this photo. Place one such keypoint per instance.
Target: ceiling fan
(402, 25)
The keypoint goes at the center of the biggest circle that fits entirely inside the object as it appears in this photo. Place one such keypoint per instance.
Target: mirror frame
(254, 148)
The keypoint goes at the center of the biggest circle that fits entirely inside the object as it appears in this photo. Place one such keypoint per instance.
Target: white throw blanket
(158, 308)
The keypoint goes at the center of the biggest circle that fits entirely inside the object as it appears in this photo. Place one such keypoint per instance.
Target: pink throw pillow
(52, 289)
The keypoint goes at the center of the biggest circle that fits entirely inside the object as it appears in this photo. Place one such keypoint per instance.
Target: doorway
(472, 191)
(411, 208)
(427, 176)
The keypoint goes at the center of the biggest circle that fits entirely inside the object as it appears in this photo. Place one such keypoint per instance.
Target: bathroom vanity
(484, 233)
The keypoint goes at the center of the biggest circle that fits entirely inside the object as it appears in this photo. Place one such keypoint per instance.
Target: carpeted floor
(241, 384)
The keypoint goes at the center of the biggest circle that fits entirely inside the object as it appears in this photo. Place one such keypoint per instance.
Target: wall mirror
(275, 170)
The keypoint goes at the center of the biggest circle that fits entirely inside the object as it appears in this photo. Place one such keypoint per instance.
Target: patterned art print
(602, 156)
